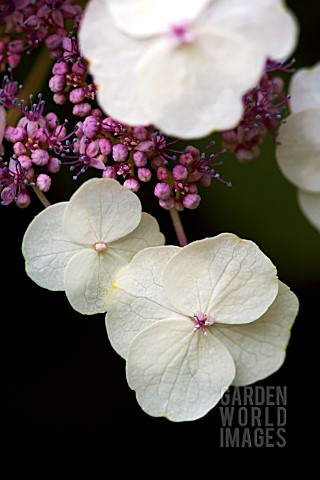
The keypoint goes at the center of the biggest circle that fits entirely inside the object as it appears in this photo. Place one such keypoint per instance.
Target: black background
(64, 384)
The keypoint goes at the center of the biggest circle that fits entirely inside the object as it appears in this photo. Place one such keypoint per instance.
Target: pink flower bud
(162, 173)
(140, 158)
(56, 83)
(131, 184)
(14, 60)
(29, 174)
(179, 172)
(43, 182)
(141, 133)
(96, 112)
(193, 151)
(186, 159)
(109, 172)
(119, 152)
(25, 162)
(77, 95)
(144, 174)
(92, 148)
(60, 68)
(40, 157)
(52, 120)
(90, 126)
(105, 146)
(191, 201)
(19, 148)
(167, 204)
(8, 195)
(60, 98)
(40, 136)
(162, 190)
(178, 205)
(78, 68)
(23, 199)
(16, 46)
(14, 135)
(53, 165)
(81, 109)
(53, 41)
(79, 129)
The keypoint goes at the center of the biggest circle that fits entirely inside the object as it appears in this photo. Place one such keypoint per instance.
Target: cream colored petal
(194, 89)
(259, 348)
(47, 249)
(265, 24)
(112, 59)
(298, 152)
(88, 277)
(147, 234)
(136, 300)
(143, 18)
(176, 372)
(101, 210)
(305, 89)
(224, 276)
(310, 205)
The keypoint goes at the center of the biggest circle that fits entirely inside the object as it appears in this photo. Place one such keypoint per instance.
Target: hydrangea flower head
(192, 321)
(298, 152)
(182, 66)
(78, 246)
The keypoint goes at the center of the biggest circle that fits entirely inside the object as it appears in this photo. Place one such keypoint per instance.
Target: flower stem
(43, 199)
(176, 220)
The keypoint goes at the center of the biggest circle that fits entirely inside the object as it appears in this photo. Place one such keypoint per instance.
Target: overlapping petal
(101, 210)
(143, 18)
(176, 372)
(88, 277)
(305, 89)
(136, 299)
(47, 249)
(223, 276)
(298, 152)
(147, 234)
(310, 205)
(110, 53)
(259, 348)
(204, 92)
(266, 24)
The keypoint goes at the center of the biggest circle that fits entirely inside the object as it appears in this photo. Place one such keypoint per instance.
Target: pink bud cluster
(265, 107)
(28, 24)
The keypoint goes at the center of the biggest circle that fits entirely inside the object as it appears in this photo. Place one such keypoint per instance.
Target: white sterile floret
(298, 152)
(182, 66)
(192, 321)
(79, 246)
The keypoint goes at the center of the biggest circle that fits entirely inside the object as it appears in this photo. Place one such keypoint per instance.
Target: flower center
(201, 321)
(181, 33)
(100, 246)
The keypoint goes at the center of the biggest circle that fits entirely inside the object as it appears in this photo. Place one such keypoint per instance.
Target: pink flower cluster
(27, 24)
(39, 145)
(265, 106)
